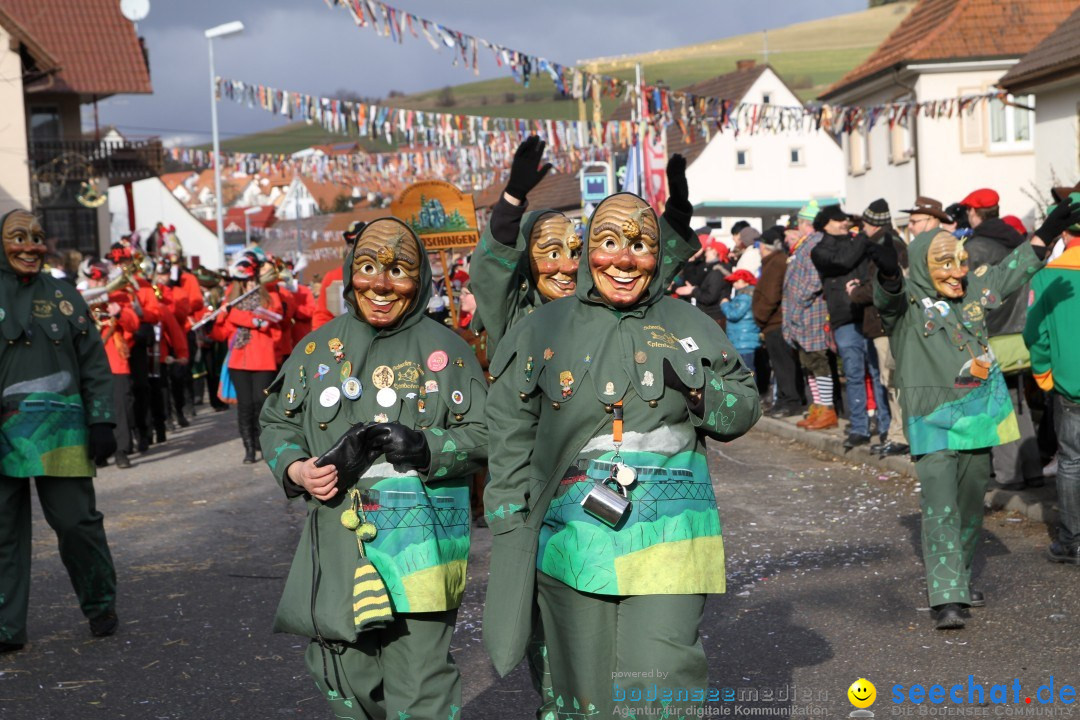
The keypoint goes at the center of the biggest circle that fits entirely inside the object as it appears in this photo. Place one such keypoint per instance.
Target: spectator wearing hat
(842, 261)
(768, 314)
(804, 316)
(1016, 464)
(1050, 334)
(742, 330)
(927, 214)
(712, 288)
(878, 230)
(750, 257)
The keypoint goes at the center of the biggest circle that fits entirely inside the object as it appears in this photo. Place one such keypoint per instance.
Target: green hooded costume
(421, 545)
(501, 279)
(952, 416)
(56, 382)
(559, 374)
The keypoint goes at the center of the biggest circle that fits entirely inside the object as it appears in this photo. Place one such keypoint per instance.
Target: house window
(795, 156)
(742, 159)
(766, 98)
(1011, 127)
(45, 124)
(900, 150)
(858, 151)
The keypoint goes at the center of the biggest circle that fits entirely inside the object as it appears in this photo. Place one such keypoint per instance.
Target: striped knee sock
(814, 390)
(825, 390)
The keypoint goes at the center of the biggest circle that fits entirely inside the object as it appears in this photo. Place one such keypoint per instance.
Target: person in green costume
(611, 394)
(952, 394)
(525, 259)
(392, 403)
(56, 421)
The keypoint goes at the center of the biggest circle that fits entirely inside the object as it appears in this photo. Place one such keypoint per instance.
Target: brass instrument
(98, 298)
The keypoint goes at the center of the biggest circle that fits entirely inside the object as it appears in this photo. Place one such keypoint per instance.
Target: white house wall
(14, 169)
(895, 182)
(949, 174)
(714, 177)
(154, 203)
(1057, 157)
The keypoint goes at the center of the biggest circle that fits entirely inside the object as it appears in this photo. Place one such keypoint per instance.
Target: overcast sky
(306, 46)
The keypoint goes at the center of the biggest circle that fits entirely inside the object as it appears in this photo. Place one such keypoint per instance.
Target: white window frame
(858, 152)
(1011, 114)
(746, 153)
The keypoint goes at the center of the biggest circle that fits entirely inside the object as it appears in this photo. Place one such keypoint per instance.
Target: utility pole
(638, 79)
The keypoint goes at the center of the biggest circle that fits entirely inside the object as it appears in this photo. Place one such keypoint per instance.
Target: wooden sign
(442, 216)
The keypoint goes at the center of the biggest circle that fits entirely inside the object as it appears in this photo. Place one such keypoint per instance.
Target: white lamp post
(220, 31)
(247, 230)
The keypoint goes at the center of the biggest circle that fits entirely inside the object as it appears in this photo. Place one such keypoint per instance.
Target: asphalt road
(825, 585)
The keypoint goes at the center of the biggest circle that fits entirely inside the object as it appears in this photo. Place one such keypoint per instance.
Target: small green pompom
(350, 519)
(366, 532)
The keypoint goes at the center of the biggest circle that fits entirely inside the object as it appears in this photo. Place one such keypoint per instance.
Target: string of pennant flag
(661, 105)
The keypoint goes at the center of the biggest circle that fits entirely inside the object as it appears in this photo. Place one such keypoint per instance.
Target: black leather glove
(525, 170)
(349, 454)
(678, 210)
(1063, 218)
(405, 448)
(885, 257)
(101, 443)
(695, 398)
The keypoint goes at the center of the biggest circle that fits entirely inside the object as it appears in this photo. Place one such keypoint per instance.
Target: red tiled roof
(942, 30)
(92, 42)
(1056, 57)
(326, 193)
(263, 219)
(44, 60)
(174, 180)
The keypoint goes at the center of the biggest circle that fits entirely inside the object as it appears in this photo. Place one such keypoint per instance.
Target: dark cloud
(306, 46)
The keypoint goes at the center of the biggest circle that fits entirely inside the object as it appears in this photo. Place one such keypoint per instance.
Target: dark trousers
(124, 405)
(250, 385)
(70, 510)
(214, 358)
(784, 368)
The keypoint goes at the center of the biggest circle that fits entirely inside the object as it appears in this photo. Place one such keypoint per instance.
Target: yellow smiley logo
(862, 693)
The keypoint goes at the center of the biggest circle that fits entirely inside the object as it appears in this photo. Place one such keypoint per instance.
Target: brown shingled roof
(92, 42)
(730, 86)
(1056, 57)
(937, 30)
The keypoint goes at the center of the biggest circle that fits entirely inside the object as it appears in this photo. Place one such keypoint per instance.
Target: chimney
(742, 65)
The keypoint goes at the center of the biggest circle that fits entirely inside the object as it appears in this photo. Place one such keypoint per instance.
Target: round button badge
(386, 397)
(329, 397)
(437, 361)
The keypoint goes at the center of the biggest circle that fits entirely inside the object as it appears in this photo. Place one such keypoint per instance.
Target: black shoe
(949, 617)
(978, 598)
(159, 435)
(1035, 482)
(221, 408)
(183, 421)
(102, 462)
(6, 647)
(783, 410)
(894, 448)
(854, 441)
(122, 461)
(104, 625)
(143, 444)
(1060, 553)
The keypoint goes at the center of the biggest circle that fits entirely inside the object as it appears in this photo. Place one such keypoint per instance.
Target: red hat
(982, 198)
(1015, 223)
(745, 275)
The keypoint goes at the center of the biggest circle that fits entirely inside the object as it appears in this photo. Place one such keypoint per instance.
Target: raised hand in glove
(405, 448)
(101, 443)
(349, 454)
(525, 170)
(678, 210)
(885, 257)
(1063, 218)
(673, 381)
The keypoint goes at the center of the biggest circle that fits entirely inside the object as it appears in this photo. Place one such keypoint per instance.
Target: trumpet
(100, 295)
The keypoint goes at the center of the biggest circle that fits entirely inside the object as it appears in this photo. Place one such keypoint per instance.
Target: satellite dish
(135, 10)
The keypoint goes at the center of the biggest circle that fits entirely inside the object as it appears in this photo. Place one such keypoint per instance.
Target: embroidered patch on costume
(640, 357)
(346, 371)
(458, 397)
(437, 360)
(381, 418)
(382, 377)
(309, 348)
(431, 386)
(459, 362)
(291, 395)
(549, 353)
(59, 294)
(329, 397)
(609, 388)
(386, 397)
(322, 370)
(66, 308)
(981, 270)
(566, 382)
(529, 367)
(688, 344)
(647, 379)
(352, 388)
(303, 377)
(691, 369)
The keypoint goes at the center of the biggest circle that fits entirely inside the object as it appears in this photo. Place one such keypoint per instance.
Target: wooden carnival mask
(947, 261)
(385, 272)
(624, 243)
(554, 253)
(24, 243)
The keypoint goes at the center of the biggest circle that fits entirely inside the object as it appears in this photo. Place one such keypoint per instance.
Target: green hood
(17, 296)
(528, 220)
(919, 271)
(415, 313)
(586, 288)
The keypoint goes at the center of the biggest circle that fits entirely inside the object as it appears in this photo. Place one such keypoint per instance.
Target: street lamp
(247, 230)
(215, 32)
